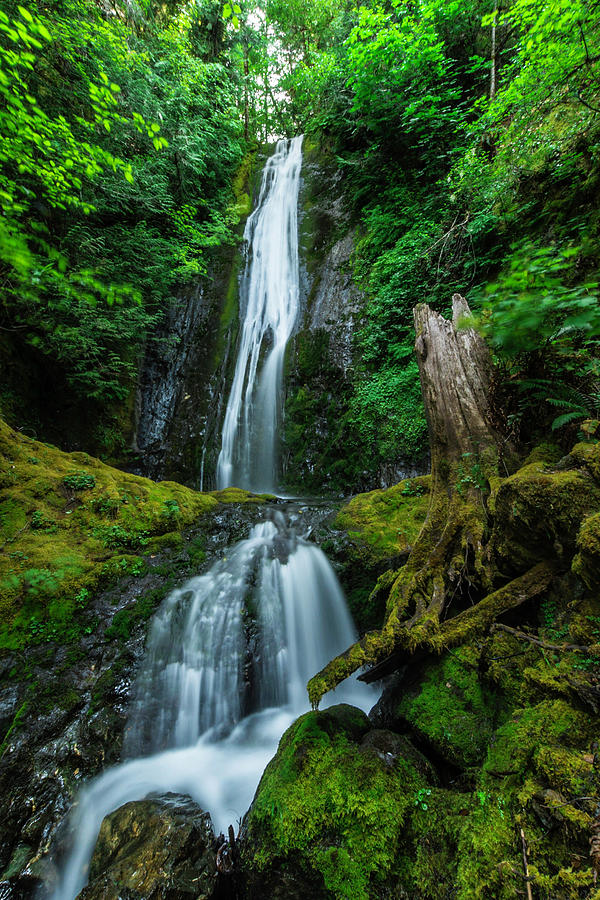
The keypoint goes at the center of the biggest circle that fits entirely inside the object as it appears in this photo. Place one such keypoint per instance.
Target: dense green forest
(461, 143)
(468, 141)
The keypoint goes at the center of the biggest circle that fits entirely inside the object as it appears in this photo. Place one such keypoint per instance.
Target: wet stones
(160, 848)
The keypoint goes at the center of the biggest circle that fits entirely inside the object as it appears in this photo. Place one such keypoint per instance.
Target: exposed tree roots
(445, 593)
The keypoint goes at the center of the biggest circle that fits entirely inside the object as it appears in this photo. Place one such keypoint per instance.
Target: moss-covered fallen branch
(430, 635)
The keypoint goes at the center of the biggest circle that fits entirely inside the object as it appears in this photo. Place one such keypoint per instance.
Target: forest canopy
(467, 135)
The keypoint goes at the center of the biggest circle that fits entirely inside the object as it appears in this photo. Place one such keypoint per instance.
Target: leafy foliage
(120, 136)
(469, 144)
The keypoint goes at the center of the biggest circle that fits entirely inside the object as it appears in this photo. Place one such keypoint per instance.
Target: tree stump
(445, 587)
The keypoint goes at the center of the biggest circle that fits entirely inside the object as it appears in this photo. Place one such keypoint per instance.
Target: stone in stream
(160, 848)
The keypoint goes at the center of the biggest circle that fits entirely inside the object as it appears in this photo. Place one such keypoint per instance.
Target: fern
(559, 401)
(568, 417)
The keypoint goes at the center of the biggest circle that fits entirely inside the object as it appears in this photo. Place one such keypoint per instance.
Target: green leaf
(25, 14)
(566, 418)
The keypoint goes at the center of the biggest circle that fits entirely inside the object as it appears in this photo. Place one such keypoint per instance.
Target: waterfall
(207, 714)
(269, 300)
(229, 652)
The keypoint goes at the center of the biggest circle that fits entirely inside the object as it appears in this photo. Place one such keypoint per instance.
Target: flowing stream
(230, 652)
(211, 700)
(269, 301)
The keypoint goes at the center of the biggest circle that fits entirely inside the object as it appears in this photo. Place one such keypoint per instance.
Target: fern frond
(566, 418)
(566, 404)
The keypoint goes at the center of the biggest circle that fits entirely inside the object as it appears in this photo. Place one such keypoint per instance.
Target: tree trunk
(494, 53)
(455, 370)
(448, 564)
(246, 79)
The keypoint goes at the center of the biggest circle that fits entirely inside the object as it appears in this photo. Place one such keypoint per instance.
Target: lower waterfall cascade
(208, 709)
(192, 713)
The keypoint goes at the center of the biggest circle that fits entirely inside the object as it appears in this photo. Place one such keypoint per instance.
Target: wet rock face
(320, 356)
(160, 848)
(162, 381)
(68, 704)
(180, 396)
(322, 451)
(185, 377)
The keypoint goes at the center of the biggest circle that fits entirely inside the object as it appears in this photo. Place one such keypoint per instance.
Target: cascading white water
(208, 711)
(269, 301)
(230, 652)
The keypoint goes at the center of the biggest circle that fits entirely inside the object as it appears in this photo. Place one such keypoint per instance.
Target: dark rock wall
(74, 702)
(189, 365)
(183, 382)
(322, 451)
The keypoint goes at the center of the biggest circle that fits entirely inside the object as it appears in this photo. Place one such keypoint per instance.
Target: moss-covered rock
(451, 710)
(586, 563)
(329, 812)
(537, 514)
(369, 538)
(588, 454)
(70, 524)
(538, 776)
(383, 524)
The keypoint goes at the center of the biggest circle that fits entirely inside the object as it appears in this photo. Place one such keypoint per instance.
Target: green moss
(68, 523)
(538, 513)
(586, 563)
(546, 453)
(488, 857)
(333, 807)
(518, 742)
(139, 611)
(538, 776)
(384, 523)
(229, 311)
(20, 713)
(588, 455)
(172, 539)
(238, 495)
(21, 856)
(241, 185)
(451, 710)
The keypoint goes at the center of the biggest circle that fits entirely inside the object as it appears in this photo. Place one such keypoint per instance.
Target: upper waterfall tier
(269, 302)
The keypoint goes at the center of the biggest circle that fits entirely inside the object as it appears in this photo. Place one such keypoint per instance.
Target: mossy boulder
(328, 816)
(69, 524)
(451, 710)
(383, 524)
(160, 848)
(537, 515)
(588, 454)
(587, 561)
(534, 733)
(539, 775)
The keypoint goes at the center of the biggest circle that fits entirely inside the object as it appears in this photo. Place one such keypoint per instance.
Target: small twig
(571, 802)
(445, 236)
(582, 33)
(526, 866)
(589, 106)
(510, 656)
(521, 635)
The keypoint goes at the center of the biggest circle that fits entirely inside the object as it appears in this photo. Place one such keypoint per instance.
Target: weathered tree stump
(446, 585)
